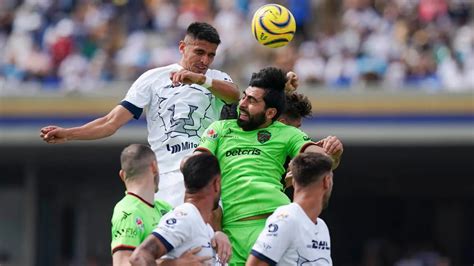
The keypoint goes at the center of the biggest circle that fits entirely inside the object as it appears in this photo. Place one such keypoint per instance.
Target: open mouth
(243, 115)
(202, 68)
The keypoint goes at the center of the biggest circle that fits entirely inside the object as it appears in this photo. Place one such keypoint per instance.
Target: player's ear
(327, 181)
(181, 46)
(271, 113)
(217, 183)
(122, 175)
(154, 167)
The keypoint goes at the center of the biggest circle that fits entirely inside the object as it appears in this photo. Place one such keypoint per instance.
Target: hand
(53, 134)
(220, 242)
(187, 77)
(292, 84)
(188, 258)
(331, 145)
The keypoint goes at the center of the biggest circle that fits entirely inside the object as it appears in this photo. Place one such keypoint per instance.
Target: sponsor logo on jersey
(263, 136)
(265, 246)
(211, 133)
(322, 245)
(282, 216)
(125, 215)
(171, 221)
(126, 232)
(139, 223)
(240, 151)
(228, 133)
(272, 228)
(180, 213)
(180, 147)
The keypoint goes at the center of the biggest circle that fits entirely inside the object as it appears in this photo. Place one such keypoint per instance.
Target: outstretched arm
(100, 128)
(224, 90)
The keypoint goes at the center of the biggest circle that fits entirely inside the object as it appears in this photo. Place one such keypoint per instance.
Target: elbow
(110, 129)
(235, 97)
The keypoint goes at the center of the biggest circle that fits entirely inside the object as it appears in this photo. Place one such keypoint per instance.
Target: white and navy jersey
(176, 115)
(290, 237)
(183, 229)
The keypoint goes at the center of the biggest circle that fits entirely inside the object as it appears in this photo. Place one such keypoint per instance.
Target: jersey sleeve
(139, 95)
(275, 238)
(174, 229)
(210, 138)
(297, 142)
(216, 74)
(127, 231)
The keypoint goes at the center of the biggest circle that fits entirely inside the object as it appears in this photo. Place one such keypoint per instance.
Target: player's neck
(142, 191)
(310, 203)
(265, 125)
(202, 203)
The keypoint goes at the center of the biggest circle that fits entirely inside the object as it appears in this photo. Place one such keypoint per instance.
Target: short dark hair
(310, 167)
(297, 105)
(203, 31)
(273, 81)
(199, 170)
(135, 158)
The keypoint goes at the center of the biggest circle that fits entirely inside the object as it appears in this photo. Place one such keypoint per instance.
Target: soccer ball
(273, 25)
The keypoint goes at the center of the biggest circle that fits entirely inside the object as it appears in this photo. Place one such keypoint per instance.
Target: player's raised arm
(333, 147)
(100, 128)
(224, 90)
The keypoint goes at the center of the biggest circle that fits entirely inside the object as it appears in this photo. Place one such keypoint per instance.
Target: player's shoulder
(285, 214)
(281, 126)
(217, 74)
(227, 123)
(184, 211)
(126, 202)
(158, 72)
(163, 206)
(125, 208)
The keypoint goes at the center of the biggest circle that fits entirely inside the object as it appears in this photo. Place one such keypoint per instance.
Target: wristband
(208, 83)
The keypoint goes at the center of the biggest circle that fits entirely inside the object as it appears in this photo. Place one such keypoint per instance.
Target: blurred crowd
(344, 44)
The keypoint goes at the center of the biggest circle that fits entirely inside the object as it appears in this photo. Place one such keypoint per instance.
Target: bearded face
(250, 122)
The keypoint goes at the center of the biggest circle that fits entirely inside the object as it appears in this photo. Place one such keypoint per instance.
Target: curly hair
(297, 105)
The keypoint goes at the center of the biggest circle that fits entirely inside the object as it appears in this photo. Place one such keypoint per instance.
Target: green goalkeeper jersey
(252, 164)
(133, 220)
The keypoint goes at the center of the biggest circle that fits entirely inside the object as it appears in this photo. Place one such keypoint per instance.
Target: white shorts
(171, 188)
